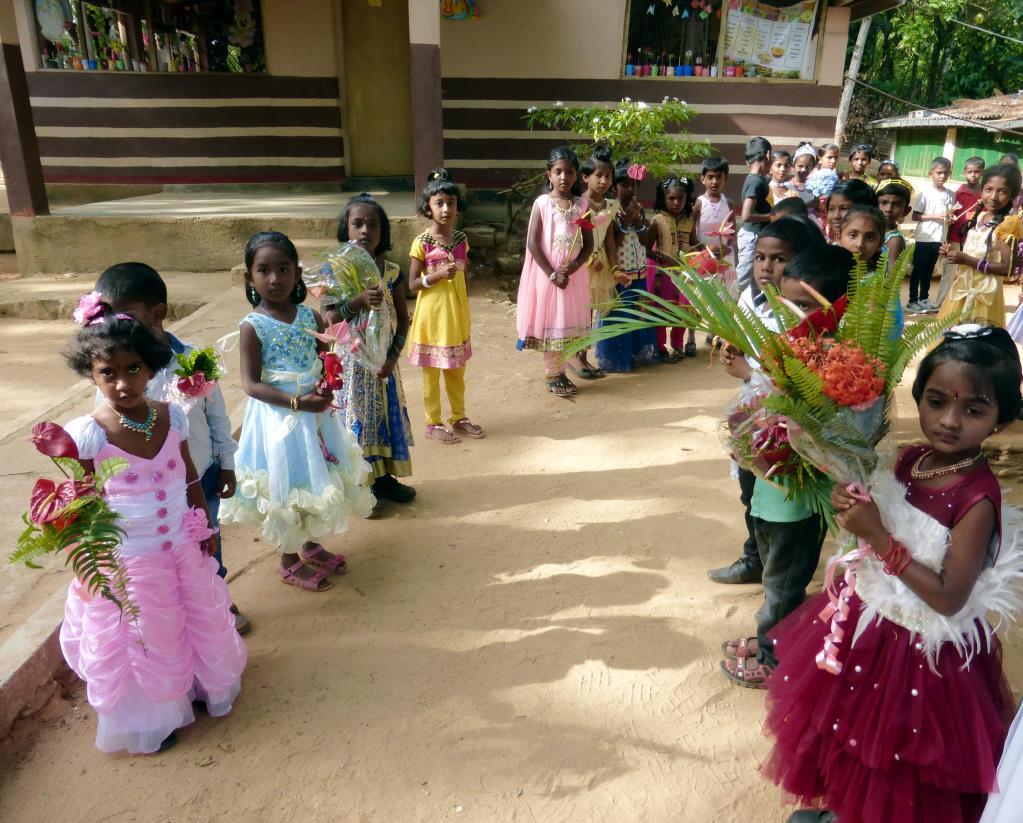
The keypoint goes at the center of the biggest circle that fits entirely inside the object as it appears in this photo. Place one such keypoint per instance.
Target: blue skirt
(629, 350)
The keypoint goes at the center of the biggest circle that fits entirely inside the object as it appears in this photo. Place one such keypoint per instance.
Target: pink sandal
(468, 428)
(435, 431)
(315, 583)
(335, 564)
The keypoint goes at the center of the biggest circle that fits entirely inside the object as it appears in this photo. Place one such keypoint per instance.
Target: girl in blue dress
(637, 348)
(373, 404)
(300, 472)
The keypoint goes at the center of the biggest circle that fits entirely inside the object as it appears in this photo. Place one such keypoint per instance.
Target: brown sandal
(742, 648)
(468, 428)
(741, 673)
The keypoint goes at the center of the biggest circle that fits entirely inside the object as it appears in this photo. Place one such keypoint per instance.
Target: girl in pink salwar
(142, 674)
(554, 291)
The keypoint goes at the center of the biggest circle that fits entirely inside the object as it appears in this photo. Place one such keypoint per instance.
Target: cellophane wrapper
(851, 448)
(344, 274)
(755, 437)
(186, 392)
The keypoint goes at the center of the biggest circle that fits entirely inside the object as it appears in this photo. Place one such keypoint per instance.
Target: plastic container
(630, 70)
(687, 71)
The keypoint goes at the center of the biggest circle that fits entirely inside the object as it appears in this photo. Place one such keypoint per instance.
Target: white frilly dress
(300, 475)
(141, 676)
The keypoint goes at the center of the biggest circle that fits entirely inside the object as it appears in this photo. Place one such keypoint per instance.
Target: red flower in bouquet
(48, 500)
(195, 385)
(772, 452)
(584, 222)
(851, 378)
(51, 440)
(332, 371)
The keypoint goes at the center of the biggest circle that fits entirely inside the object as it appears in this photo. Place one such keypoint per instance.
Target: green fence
(916, 148)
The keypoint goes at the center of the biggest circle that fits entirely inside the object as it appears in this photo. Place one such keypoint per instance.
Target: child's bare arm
(948, 590)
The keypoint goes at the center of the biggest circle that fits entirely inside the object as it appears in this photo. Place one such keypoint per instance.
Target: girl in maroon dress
(896, 712)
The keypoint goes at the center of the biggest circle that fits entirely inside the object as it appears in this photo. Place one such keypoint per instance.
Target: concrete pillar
(427, 113)
(19, 150)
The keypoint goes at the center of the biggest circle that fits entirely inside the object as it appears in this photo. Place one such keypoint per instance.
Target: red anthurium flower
(637, 171)
(49, 499)
(822, 321)
(332, 371)
(51, 440)
(583, 223)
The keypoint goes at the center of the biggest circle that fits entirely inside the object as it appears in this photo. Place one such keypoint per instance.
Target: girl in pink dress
(142, 675)
(554, 291)
(895, 709)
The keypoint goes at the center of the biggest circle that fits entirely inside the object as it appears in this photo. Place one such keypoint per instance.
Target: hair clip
(637, 171)
(969, 331)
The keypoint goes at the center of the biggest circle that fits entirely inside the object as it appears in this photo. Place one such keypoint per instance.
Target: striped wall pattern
(186, 128)
(486, 142)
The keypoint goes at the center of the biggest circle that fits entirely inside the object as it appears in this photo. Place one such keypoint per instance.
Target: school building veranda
(207, 141)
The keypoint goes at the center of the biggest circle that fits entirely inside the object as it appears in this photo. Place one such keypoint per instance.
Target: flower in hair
(90, 308)
(637, 171)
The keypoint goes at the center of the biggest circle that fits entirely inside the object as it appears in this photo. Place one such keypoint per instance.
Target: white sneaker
(928, 306)
(914, 308)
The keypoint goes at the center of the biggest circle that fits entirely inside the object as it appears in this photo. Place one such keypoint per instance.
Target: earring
(252, 295)
(298, 294)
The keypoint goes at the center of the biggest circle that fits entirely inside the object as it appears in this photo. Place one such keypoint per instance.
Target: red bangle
(897, 559)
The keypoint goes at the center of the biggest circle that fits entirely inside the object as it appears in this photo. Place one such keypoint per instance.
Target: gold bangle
(294, 402)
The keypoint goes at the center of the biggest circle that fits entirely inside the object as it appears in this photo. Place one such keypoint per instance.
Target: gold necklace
(929, 474)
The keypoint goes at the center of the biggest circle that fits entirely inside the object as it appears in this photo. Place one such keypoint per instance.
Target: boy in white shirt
(931, 212)
(138, 290)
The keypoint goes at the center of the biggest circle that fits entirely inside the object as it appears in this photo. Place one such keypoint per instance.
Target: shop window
(155, 36)
(723, 38)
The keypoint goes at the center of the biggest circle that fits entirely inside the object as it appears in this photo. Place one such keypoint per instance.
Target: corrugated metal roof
(992, 114)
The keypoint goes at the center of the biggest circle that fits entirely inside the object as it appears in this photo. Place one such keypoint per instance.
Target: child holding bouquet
(891, 703)
(300, 472)
(441, 322)
(553, 306)
(144, 667)
(788, 532)
(373, 404)
(138, 290)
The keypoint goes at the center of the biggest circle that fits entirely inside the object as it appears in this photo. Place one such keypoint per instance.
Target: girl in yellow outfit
(986, 256)
(440, 325)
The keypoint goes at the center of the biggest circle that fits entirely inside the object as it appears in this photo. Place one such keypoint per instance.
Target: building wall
(513, 57)
(540, 38)
(283, 126)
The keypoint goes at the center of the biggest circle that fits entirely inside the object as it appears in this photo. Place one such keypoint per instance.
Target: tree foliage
(920, 53)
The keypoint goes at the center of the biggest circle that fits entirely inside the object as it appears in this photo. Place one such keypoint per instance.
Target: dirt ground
(533, 639)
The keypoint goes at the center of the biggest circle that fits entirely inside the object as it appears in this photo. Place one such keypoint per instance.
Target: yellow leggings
(454, 386)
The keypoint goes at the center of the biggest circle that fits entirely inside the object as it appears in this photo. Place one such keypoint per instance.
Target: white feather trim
(995, 598)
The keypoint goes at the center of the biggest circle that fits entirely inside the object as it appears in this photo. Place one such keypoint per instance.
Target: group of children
(872, 740)
(311, 455)
(310, 458)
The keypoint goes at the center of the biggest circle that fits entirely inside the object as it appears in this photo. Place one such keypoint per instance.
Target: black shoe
(739, 572)
(812, 816)
(388, 488)
(168, 742)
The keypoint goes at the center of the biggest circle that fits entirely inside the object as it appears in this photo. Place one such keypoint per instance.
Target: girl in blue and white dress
(300, 472)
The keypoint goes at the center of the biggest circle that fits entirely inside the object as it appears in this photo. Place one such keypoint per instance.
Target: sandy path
(534, 639)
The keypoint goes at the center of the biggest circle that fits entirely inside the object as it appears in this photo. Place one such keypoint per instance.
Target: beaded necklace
(456, 239)
(146, 427)
(929, 474)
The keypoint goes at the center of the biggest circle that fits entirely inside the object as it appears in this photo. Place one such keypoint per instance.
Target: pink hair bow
(637, 171)
(90, 309)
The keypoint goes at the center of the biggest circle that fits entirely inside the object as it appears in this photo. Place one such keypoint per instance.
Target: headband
(969, 331)
(896, 181)
(806, 148)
